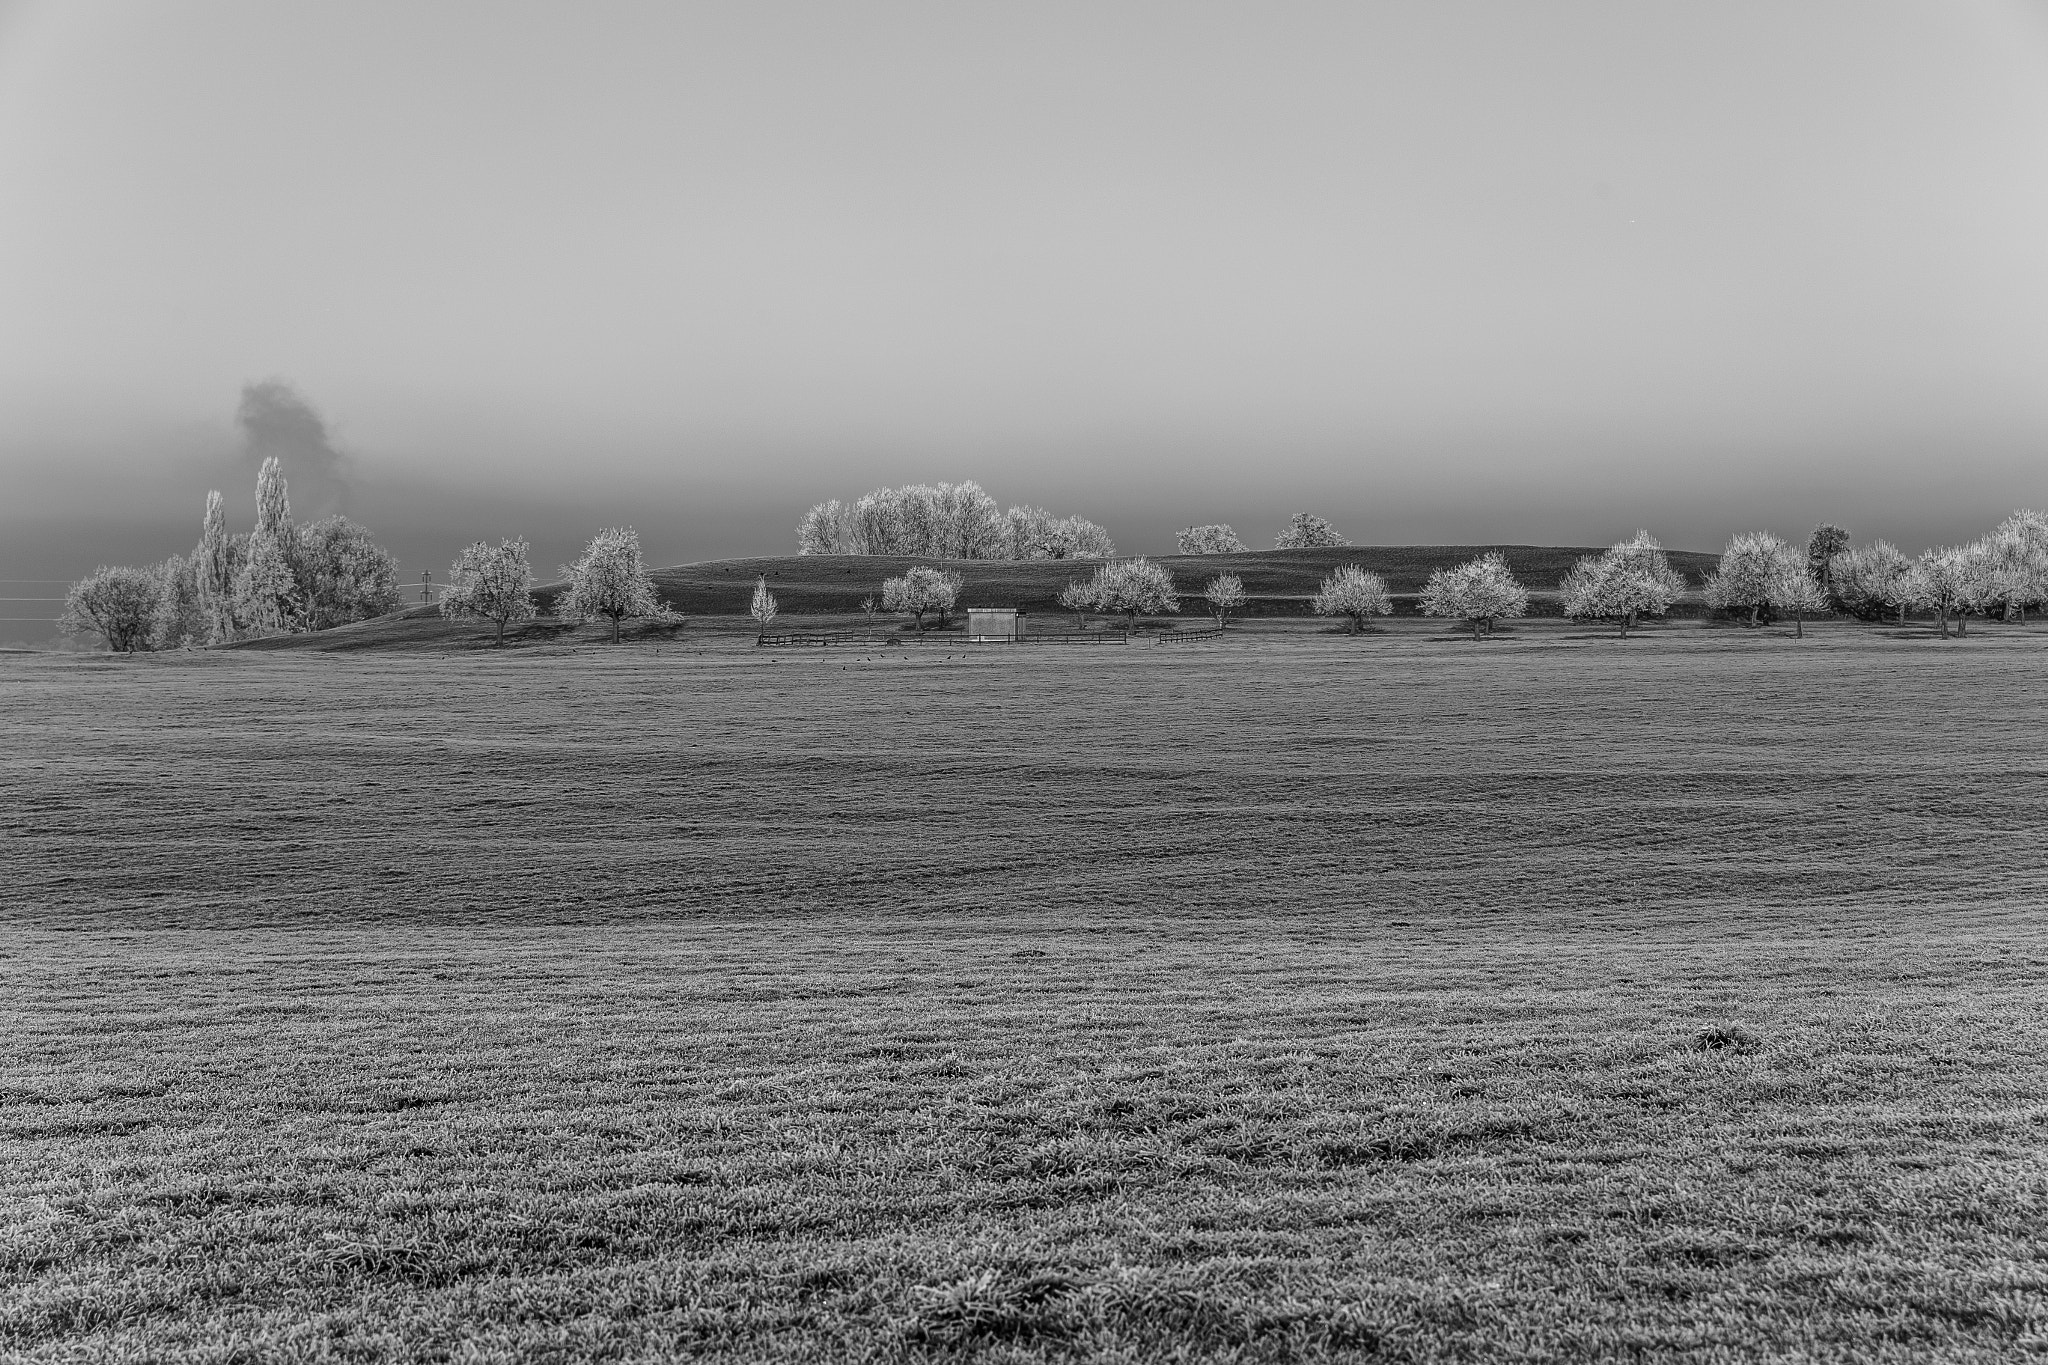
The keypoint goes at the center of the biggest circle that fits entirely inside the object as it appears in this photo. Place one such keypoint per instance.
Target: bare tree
(1217, 539)
(1306, 532)
(1478, 592)
(118, 604)
(491, 583)
(762, 608)
(1354, 594)
(1225, 594)
(611, 580)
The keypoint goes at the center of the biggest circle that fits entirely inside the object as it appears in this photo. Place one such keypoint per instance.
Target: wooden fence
(782, 639)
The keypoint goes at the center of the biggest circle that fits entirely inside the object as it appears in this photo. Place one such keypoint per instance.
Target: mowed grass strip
(1259, 1002)
(1615, 781)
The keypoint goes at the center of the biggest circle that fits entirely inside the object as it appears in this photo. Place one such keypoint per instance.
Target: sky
(1445, 272)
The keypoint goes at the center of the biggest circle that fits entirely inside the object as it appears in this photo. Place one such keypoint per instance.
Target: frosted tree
(1478, 592)
(1306, 532)
(1077, 538)
(1756, 573)
(1225, 593)
(118, 604)
(266, 597)
(762, 609)
(610, 580)
(216, 562)
(1982, 582)
(273, 502)
(1354, 594)
(1803, 597)
(1079, 598)
(1131, 588)
(180, 620)
(1631, 580)
(970, 524)
(341, 574)
(823, 530)
(491, 583)
(1871, 581)
(2017, 564)
(265, 601)
(1034, 533)
(922, 589)
(1217, 539)
(1027, 532)
(946, 521)
(1943, 581)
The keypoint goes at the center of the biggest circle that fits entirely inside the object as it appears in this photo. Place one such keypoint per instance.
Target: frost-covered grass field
(1286, 998)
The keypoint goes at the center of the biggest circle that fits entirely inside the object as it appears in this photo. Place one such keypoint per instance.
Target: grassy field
(1285, 998)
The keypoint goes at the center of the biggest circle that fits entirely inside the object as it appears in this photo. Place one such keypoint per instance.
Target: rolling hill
(1280, 583)
(1278, 580)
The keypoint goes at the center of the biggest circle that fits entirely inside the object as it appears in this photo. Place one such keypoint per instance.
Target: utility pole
(427, 585)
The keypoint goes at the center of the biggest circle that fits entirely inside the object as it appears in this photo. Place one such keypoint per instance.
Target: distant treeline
(282, 578)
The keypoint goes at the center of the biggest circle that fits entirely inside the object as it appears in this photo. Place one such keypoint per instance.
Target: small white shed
(992, 625)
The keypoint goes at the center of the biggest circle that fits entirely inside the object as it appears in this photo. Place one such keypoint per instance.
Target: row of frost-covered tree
(2003, 574)
(960, 521)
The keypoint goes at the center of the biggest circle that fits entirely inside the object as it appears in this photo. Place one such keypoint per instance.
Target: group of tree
(2003, 574)
(279, 578)
(1761, 576)
(608, 582)
(946, 521)
(1303, 531)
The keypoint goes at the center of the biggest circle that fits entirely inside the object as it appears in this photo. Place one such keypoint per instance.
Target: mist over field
(1462, 273)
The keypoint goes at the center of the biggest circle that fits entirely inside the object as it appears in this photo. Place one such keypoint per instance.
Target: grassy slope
(1400, 1001)
(838, 582)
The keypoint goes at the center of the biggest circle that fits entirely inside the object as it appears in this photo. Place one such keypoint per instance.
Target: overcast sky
(1443, 272)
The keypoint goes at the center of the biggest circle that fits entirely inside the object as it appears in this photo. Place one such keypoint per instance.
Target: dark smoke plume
(275, 420)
